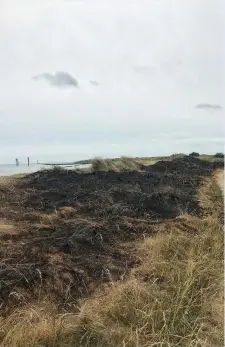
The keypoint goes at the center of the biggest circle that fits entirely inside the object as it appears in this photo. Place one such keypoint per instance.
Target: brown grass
(122, 164)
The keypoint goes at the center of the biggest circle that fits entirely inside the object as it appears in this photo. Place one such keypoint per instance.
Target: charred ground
(69, 232)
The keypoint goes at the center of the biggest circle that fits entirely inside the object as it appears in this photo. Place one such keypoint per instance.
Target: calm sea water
(12, 169)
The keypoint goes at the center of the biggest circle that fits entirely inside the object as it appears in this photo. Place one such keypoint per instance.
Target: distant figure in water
(17, 162)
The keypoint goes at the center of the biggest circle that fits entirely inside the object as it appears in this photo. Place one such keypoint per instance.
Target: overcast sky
(154, 61)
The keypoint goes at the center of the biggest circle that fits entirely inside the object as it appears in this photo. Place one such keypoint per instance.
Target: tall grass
(173, 298)
(170, 300)
(122, 164)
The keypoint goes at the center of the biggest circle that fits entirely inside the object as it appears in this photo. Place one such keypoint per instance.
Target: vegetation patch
(113, 259)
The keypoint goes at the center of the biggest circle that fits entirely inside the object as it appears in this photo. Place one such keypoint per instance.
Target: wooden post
(28, 161)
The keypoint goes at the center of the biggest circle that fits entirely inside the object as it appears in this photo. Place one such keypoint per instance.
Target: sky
(154, 61)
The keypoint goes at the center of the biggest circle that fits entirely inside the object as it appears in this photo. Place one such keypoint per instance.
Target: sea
(12, 169)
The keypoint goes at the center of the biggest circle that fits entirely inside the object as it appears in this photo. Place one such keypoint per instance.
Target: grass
(151, 160)
(211, 198)
(130, 164)
(57, 168)
(173, 298)
(122, 164)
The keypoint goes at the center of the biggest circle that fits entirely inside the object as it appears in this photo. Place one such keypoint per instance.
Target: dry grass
(173, 298)
(122, 164)
(6, 227)
(220, 178)
(36, 325)
(211, 197)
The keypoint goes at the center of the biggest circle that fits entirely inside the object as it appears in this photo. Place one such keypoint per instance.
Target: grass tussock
(58, 168)
(122, 164)
(36, 325)
(173, 298)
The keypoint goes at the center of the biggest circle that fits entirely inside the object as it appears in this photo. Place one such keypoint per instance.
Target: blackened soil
(74, 231)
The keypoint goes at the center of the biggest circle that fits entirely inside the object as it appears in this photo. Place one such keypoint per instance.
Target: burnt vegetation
(69, 232)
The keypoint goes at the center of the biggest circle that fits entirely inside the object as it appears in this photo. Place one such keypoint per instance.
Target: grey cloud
(58, 78)
(94, 83)
(213, 107)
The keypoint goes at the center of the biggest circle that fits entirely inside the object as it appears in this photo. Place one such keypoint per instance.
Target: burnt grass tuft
(73, 231)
